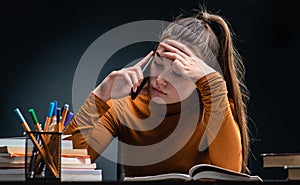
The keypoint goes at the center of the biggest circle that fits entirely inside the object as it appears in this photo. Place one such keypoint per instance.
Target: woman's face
(167, 86)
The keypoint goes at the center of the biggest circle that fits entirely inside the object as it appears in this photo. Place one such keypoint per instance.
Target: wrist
(206, 70)
(100, 93)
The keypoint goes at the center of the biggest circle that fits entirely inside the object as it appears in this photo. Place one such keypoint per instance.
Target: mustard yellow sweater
(158, 138)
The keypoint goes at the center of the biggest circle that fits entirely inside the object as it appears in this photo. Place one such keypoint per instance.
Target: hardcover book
(280, 159)
(293, 172)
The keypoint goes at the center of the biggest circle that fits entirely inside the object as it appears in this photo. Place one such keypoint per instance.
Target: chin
(158, 100)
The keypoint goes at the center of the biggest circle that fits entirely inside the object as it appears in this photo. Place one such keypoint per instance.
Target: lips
(157, 91)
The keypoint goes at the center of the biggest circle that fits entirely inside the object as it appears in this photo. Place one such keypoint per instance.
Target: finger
(127, 79)
(143, 62)
(178, 67)
(173, 56)
(173, 49)
(140, 75)
(177, 46)
(134, 80)
(138, 72)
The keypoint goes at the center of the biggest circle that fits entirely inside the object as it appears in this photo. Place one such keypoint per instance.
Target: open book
(200, 172)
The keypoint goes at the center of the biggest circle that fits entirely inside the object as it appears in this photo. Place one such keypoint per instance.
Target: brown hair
(211, 38)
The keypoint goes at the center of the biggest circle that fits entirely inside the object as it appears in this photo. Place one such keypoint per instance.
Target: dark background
(43, 41)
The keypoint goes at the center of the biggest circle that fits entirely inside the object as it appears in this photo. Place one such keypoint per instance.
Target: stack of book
(76, 164)
(288, 161)
(12, 159)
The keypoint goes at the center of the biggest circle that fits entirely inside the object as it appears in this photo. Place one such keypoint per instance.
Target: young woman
(191, 111)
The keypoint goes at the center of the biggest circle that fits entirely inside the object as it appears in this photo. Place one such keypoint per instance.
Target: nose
(161, 81)
(161, 78)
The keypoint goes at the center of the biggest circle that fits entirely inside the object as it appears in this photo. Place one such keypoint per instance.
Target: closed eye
(159, 64)
(176, 74)
(157, 60)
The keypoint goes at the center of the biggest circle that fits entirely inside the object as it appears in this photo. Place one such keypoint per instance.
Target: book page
(206, 171)
(168, 176)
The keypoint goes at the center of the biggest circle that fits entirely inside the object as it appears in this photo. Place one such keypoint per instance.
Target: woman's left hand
(185, 62)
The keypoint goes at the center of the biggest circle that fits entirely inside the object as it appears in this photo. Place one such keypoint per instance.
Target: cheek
(178, 87)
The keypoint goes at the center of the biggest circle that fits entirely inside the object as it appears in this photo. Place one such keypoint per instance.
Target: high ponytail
(234, 74)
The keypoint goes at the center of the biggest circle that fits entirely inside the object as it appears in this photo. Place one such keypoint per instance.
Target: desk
(45, 182)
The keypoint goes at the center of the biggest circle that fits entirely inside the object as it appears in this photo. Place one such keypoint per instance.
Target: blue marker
(54, 117)
(19, 115)
(49, 116)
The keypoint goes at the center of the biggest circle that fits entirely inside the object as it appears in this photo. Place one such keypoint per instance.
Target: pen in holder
(43, 155)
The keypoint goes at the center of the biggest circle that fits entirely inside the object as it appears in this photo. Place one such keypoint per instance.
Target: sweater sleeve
(85, 128)
(222, 134)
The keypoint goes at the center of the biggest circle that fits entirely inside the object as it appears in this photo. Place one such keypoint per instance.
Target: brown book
(280, 159)
(80, 152)
(8, 159)
(14, 150)
(12, 165)
(293, 172)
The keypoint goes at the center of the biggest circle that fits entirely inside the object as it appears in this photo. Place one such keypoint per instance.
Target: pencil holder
(43, 155)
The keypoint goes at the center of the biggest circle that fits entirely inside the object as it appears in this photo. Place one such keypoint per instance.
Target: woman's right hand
(118, 84)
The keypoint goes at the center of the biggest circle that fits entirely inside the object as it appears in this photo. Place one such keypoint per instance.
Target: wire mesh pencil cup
(43, 155)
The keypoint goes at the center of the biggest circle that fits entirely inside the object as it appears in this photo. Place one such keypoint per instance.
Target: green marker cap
(33, 115)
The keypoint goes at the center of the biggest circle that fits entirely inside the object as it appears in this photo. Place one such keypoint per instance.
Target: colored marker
(34, 151)
(38, 128)
(68, 118)
(63, 117)
(20, 116)
(54, 117)
(35, 120)
(58, 117)
(49, 115)
(58, 114)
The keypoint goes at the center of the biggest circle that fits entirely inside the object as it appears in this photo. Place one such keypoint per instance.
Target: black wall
(43, 41)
